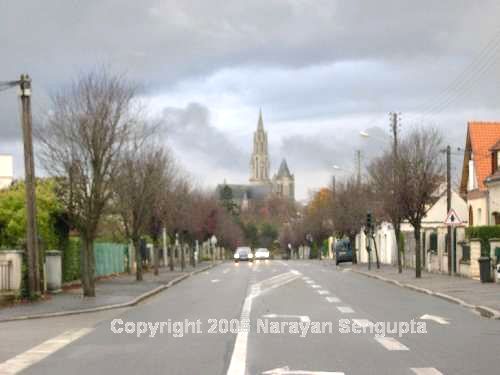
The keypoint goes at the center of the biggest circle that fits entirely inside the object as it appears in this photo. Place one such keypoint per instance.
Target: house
(6, 171)
(479, 184)
(435, 232)
(434, 237)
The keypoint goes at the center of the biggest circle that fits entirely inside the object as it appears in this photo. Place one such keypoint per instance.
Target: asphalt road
(283, 295)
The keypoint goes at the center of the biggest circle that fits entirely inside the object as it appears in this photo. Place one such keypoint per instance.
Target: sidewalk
(482, 297)
(113, 292)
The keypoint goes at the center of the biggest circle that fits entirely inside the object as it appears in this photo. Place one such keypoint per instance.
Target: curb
(484, 311)
(133, 302)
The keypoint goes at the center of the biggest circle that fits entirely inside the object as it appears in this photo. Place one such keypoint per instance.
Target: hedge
(484, 233)
(71, 260)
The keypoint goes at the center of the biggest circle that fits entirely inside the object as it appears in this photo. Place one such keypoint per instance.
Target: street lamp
(213, 242)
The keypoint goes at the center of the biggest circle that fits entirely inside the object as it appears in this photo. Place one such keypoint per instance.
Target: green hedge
(484, 233)
(71, 260)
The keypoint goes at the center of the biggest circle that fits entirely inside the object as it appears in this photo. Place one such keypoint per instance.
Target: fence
(5, 275)
(110, 258)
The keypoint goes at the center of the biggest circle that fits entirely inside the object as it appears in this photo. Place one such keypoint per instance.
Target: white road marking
(390, 343)
(226, 271)
(346, 270)
(426, 371)
(333, 299)
(238, 363)
(323, 292)
(362, 322)
(309, 282)
(215, 280)
(286, 371)
(437, 319)
(36, 354)
(315, 286)
(302, 318)
(345, 309)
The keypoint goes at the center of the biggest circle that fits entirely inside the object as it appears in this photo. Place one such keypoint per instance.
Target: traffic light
(369, 220)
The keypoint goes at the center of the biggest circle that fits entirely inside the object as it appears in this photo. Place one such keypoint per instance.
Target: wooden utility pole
(29, 166)
(396, 220)
(449, 245)
(358, 166)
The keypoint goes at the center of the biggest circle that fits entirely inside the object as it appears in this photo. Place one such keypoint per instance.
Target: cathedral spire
(260, 125)
(259, 163)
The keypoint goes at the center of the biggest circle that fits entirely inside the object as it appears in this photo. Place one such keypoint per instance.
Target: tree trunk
(87, 266)
(183, 259)
(171, 258)
(418, 270)
(156, 256)
(138, 259)
(352, 240)
(397, 233)
(376, 251)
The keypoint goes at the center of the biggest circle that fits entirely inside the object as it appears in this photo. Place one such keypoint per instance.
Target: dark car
(243, 253)
(343, 251)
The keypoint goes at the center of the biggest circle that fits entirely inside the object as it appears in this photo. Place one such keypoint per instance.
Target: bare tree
(138, 185)
(384, 180)
(350, 209)
(420, 168)
(81, 141)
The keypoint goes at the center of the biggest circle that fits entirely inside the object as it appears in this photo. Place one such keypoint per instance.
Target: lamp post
(213, 242)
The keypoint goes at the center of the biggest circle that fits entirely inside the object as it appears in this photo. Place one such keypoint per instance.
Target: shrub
(484, 233)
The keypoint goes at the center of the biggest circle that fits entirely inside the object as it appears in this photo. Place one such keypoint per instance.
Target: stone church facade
(262, 186)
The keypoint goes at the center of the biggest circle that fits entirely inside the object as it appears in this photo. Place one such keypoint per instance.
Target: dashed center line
(345, 309)
(315, 286)
(426, 371)
(390, 343)
(333, 299)
(215, 280)
(363, 323)
(323, 292)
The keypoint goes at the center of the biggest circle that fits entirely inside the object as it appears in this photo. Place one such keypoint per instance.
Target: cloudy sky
(321, 70)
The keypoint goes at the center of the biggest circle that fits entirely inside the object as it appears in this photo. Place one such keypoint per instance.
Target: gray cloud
(303, 60)
(189, 131)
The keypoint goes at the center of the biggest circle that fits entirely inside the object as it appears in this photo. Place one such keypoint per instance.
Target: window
(479, 219)
(433, 242)
(471, 217)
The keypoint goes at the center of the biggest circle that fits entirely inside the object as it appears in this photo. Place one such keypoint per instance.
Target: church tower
(259, 163)
(284, 182)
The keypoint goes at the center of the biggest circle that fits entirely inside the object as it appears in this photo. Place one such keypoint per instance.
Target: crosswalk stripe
(390, 343)
(36, 354)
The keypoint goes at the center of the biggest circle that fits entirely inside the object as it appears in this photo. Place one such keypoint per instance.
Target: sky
(321, 71)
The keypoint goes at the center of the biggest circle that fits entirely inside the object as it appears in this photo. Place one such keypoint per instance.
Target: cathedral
(261, 186)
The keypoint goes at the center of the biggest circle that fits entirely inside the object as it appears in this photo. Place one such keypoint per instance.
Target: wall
(6, 170)
(479, 204)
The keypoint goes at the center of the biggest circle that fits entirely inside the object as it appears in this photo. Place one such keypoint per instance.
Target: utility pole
(449, 245)
(29, 167)
(358, 166)
(397, 223)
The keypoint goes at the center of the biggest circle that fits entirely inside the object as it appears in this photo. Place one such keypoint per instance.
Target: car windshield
(243, 250)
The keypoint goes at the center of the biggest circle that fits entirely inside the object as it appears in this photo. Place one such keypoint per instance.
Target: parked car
(243, 253)
(262, 253)
(343, 251)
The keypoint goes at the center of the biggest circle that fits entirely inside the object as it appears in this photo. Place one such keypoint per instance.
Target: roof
(284, 171)
(240, 192)
(481, 137)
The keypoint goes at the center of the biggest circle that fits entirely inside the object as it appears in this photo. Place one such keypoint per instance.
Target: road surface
(293, 298)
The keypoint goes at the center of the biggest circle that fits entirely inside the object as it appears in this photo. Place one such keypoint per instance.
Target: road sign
(452, 218)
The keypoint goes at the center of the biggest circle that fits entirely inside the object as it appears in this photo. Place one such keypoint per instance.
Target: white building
(6, 170)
